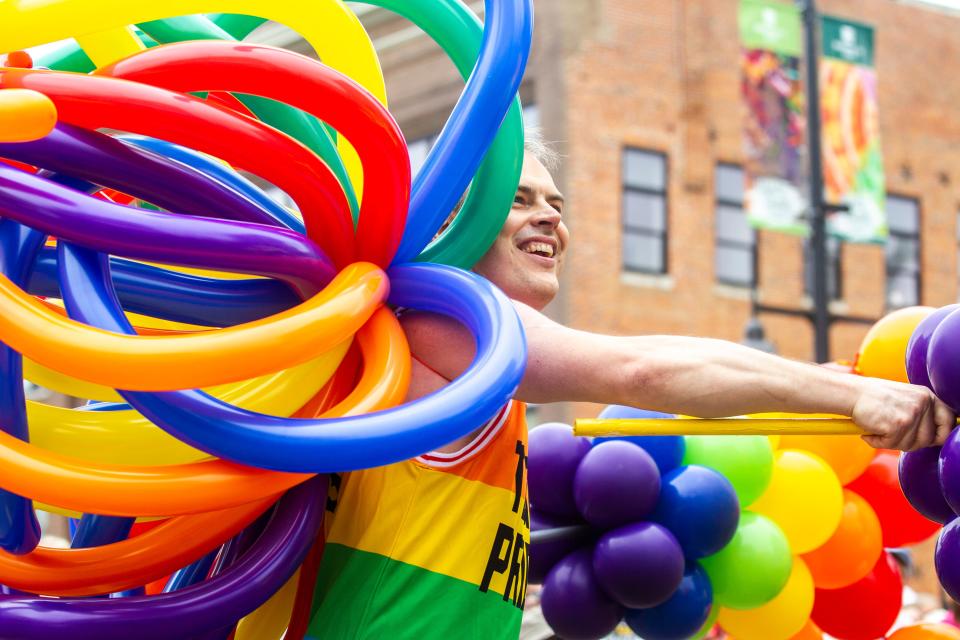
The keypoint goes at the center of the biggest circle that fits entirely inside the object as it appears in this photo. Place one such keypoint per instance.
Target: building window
(644, 243)
(903, 252)
(834, 270)
(734, 257)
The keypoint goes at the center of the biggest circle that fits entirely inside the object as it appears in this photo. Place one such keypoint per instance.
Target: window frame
(918, 274)
(663, 193)
(751, 247)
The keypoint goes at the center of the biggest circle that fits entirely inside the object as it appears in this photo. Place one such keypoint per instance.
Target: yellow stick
(717, 427)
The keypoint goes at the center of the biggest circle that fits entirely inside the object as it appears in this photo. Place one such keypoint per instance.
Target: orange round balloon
(883, 352)
(810, 631)
(848, 456)
(853, 549)
(928, 631)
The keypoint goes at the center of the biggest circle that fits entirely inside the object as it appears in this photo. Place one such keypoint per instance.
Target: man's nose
(546, 216)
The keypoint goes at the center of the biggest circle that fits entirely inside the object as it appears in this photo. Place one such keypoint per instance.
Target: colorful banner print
(852, 161)
(775, 169)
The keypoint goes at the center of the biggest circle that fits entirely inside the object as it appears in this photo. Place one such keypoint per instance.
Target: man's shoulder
(440, 342)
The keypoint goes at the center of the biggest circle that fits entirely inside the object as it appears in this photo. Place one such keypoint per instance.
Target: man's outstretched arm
(694, 376)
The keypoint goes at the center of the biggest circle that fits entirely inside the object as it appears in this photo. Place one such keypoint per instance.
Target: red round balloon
(866, 609)
(880, 486)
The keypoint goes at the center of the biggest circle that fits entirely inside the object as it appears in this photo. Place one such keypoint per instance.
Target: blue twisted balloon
(474, 122)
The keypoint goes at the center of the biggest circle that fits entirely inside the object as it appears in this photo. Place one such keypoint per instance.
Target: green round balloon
(746, 461)
(753, 568)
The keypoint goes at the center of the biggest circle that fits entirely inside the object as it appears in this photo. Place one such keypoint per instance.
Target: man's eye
(519, 200)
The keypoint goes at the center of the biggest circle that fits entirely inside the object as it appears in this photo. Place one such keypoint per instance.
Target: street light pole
(818, 220)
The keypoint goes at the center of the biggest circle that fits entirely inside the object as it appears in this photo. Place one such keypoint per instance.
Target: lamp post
(755, 337)
(818, 219)
(820, 316)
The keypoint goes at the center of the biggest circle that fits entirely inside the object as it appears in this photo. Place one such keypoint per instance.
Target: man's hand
(901, 416)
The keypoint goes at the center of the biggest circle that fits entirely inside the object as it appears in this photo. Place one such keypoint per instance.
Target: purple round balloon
(949, 470)
(554, 456)
(920, 342)
(544, 555)
(943, 360)
(574, 604)
(920, 481)
(195, 610)
(617, 482)
(640, 564)
(946, 559)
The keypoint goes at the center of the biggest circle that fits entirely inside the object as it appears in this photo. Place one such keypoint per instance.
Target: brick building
(643, 101)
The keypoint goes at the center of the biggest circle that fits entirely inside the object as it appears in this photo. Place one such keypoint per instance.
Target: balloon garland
(233, 348)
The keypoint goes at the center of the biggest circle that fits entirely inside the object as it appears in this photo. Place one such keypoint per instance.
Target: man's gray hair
(535, 145)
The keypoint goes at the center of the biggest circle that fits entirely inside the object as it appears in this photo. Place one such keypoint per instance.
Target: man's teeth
(540, 248)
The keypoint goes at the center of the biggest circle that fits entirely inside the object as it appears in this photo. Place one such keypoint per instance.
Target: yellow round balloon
(804, 498)
(781, 618)
(883, 352)
(848, 456)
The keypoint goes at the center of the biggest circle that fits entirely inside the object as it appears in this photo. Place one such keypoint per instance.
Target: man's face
(525, 259)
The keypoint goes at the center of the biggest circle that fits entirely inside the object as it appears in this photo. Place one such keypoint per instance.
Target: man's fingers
(946, 421)
(874, 441)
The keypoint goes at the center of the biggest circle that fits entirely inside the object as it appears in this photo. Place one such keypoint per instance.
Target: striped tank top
(434, 547)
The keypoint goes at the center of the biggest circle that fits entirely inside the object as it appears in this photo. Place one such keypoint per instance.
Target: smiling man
(436, 547)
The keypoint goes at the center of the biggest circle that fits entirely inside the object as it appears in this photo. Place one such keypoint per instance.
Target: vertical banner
(775, 169)
(852, 162)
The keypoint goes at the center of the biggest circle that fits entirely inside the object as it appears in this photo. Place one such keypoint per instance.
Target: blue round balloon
(700, 507)
(679, 617)
(666, 451)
